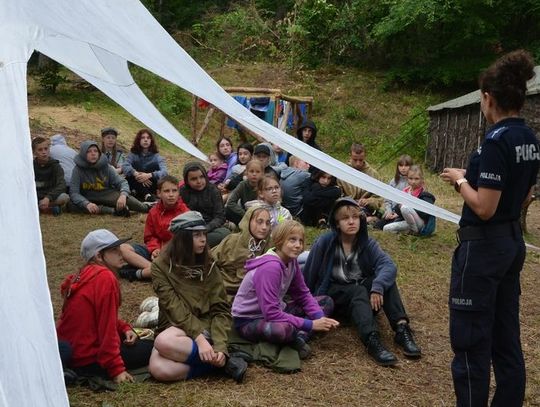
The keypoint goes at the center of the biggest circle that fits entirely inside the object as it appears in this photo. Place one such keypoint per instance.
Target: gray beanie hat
(191, 220)
(98, 240)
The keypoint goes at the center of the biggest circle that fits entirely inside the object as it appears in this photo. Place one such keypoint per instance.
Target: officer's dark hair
(506, 79)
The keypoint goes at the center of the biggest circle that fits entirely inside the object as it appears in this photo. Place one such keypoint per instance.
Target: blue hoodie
(372, 260)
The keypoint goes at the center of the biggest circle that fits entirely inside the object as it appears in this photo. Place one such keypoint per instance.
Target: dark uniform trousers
(352, 301)
(484, 321)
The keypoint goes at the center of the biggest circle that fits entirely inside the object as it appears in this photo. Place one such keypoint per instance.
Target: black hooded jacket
(312, 141)
(208, 201)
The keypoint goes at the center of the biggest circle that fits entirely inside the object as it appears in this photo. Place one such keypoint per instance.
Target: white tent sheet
(95, 39)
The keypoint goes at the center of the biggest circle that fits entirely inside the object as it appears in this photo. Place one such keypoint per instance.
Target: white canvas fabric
(95, 39)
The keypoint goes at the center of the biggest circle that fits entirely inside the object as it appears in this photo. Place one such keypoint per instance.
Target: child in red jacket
(101, 343)
(156, 230)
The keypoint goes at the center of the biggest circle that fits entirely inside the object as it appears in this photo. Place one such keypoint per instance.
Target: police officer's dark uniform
(485, 287)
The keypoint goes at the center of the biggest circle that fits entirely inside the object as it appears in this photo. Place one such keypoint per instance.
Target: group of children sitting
(209, 281)
(100, 179)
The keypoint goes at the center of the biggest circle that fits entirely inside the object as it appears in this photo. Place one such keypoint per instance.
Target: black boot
(404, 338)
(304, 350)
(378, 352)
(236, 368)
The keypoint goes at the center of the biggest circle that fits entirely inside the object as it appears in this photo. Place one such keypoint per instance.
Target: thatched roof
(533, 87)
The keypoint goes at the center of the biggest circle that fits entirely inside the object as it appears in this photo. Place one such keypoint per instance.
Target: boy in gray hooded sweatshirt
(97, 188)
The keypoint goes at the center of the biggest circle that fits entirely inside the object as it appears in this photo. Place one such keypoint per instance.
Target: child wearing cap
(194, 317)
(115, 156)
(265, 154)
(102, 344)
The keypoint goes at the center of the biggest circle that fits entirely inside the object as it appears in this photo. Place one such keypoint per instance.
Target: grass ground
(340, 373)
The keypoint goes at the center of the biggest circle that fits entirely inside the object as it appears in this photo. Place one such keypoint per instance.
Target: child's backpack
(429, 226)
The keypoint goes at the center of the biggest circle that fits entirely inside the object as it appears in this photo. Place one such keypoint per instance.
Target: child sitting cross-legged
(194, 317)
(96, 187)
(156, 231)
(259, 310)
(49, 176)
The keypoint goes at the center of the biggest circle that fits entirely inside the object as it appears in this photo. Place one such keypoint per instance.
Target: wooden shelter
(457, 128)
(290, 103)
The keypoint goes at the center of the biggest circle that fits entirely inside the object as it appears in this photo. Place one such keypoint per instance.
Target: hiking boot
(236, 368)
(378, 352)
(303, 349)
(404, 338)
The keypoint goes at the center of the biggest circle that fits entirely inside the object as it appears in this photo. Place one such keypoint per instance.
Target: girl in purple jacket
(259, 310)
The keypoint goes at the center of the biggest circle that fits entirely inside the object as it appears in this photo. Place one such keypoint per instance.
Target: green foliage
(427, 42)
(180, 14)
(240, 33)
(50, 77)
(170, 100)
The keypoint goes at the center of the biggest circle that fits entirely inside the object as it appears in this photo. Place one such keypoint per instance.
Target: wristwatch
(457, 184)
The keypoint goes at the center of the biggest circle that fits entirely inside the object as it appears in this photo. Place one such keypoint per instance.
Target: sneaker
(148, 319)
(149, 303)
(128, 272)
(150, 198)
(303, 349)
(378, 352)
(404, 338)
(124, 212)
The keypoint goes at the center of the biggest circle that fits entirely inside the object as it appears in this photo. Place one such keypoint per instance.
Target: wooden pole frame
(275, 95)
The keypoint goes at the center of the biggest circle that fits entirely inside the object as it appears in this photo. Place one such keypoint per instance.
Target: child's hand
(121, 202)
(155, 254)
(219, 360)
(44, 203)
(123, 377)
(206, 352)
(131, 337)
(376, 300)
(92, 208)
(390, 216)
(324, 324)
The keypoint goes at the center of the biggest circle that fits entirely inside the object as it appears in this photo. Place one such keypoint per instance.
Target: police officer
(486, 266)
